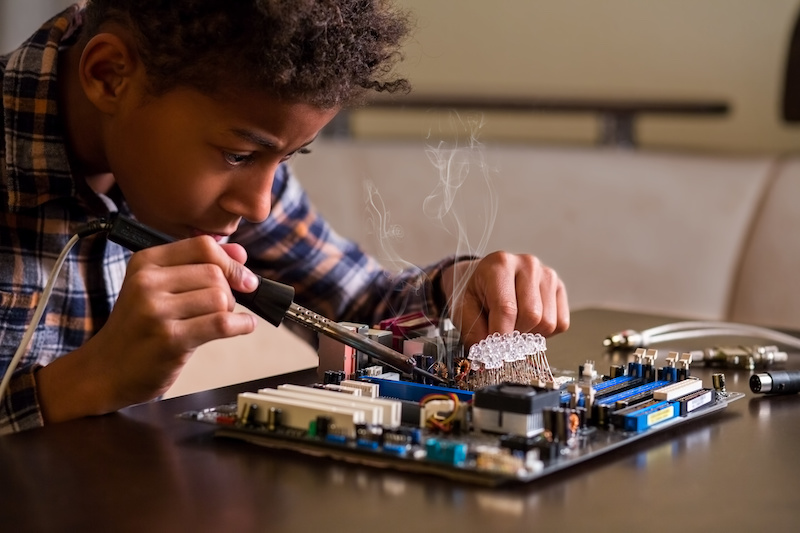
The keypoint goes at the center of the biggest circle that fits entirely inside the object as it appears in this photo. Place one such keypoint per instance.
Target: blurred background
(732, 52)
(687, 210)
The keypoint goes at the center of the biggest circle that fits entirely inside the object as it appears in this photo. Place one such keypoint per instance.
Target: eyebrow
(254, 137)
(260, 140)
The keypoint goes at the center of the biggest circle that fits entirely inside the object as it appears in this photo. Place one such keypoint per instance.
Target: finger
(490, 301)
(499, 291)
(543, 319)
(548, 320)
(194, 332)
(181, 278)
(158, 283)
(470, 320)
(530, 300)
(205, 301)
(563, 309)
(199, 250)
(502, 308)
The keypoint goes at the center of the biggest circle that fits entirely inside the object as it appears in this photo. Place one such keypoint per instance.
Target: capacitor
(548, 421)
(274, 418)
(333, 377)
(323, 425)
(718, 380)
(561, 416)
(250, 415)
(617, 371)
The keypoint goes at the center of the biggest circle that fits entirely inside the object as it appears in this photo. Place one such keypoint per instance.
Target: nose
(250, 195)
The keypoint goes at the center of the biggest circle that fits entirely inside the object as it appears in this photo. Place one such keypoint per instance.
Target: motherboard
(502, 417)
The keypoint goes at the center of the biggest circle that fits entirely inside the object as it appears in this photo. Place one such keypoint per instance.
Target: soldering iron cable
(90, 228)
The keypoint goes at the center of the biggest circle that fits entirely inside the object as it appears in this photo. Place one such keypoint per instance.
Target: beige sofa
(693, 235)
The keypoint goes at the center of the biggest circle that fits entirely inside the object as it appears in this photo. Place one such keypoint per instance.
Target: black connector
(776, 382)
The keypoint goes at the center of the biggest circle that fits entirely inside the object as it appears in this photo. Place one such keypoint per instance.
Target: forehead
(253, 116)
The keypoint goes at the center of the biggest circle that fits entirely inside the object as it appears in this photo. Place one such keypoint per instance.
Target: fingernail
(250, 281)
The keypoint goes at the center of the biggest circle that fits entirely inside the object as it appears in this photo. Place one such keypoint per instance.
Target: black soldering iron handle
(270, 300)
(776, 382)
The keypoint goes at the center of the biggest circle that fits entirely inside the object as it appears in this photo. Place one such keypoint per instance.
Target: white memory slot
(392, 409)
(369, 390)
(299, 413)
(678, 389)
(352, 391)
(373, 413)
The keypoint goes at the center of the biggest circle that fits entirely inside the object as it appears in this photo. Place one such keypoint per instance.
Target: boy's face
(191, 164)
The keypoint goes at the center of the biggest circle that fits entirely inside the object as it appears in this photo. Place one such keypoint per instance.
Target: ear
(108, 69)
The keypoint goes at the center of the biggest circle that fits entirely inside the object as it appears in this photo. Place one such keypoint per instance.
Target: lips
(219, 237)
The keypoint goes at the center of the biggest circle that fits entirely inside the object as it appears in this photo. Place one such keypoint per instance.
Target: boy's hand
(175, 298)
(504, 292)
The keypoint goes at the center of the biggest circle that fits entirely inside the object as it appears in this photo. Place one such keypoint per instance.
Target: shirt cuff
(20, 409)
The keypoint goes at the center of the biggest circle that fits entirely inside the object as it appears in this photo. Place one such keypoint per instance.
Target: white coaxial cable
(677, 331)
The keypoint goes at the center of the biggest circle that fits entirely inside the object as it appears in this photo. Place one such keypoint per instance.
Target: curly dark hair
(327, 53)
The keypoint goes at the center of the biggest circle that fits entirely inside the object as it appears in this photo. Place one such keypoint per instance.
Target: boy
(183, 114)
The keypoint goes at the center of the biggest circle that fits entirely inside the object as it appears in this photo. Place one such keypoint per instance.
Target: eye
(236, 160)
(300, 151)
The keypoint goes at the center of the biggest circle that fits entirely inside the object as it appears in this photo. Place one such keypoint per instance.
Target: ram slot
(646, 418)
(604, 407)
(602, 386)
(617, 418)
(631, 392)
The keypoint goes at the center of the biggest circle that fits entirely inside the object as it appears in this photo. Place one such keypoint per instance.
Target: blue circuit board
(508, 433)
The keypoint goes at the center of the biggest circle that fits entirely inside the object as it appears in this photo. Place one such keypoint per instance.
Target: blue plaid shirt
(42, 204)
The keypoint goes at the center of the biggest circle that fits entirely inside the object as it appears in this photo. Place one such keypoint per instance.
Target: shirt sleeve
(19, 406)
(332, 275)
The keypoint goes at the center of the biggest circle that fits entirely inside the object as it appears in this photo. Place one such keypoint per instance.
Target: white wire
(717, 329)
(37, 315)
(703, 324)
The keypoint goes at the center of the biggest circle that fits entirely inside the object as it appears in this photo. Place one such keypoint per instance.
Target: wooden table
(144, 470)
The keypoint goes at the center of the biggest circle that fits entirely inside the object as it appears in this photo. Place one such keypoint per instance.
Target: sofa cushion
(766, 291)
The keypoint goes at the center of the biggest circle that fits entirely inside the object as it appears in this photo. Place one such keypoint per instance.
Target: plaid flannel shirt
(43, 203)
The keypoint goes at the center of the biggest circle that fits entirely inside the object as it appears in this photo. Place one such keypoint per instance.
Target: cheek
(190, 187)
(136, 155)
(163, 183)
(161, 163)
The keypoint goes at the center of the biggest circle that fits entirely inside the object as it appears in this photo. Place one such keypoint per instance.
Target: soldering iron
(272, 301)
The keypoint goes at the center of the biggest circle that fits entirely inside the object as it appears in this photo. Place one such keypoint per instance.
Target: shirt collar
(37, 166)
